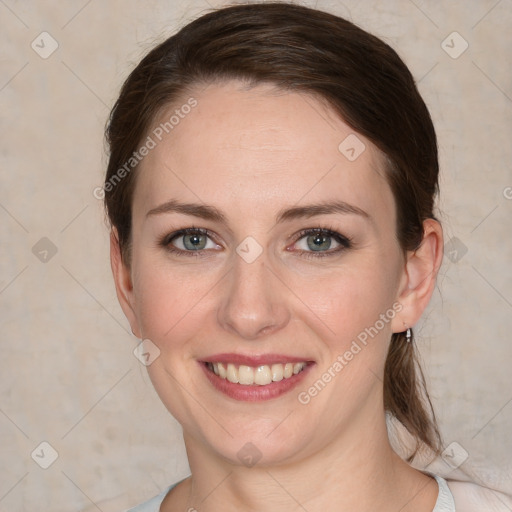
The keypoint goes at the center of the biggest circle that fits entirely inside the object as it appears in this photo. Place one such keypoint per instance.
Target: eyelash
(345, 242)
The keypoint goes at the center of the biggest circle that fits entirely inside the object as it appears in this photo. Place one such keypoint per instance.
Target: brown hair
(303, 50)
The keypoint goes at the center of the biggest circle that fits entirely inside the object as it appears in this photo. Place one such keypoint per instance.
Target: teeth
(232, 373)
(297, 368)
(277, 372)
(261, 375)
(245, 375)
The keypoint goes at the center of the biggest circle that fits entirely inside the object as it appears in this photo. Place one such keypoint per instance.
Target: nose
(254, 301)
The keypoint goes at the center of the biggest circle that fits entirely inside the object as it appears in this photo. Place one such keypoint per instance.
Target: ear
(123, 282)
(419, 277)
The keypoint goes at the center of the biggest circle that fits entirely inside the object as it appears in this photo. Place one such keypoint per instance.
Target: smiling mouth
(255, 375)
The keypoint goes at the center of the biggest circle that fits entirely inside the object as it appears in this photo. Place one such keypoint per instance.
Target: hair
(298, 49)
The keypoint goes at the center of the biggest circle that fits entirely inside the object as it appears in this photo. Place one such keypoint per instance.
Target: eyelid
(344, 241)
(166, 240)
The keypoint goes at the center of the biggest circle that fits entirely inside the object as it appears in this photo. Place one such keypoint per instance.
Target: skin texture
(252, 153)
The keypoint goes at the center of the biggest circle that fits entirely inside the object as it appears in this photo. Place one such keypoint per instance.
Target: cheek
(358, 308)
(175, 302)
(172, 302)
(350, 300)
(358, 305)
(163, 298)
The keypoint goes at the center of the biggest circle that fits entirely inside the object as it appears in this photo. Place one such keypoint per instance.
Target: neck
(357, 471)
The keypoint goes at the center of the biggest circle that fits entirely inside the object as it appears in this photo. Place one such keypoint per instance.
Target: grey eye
(194, 242)
(319, 242)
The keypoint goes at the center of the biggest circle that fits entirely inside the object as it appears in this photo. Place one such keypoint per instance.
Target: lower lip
(255, 393)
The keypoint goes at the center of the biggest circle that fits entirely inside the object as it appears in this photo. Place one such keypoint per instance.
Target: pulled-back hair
(298, 49)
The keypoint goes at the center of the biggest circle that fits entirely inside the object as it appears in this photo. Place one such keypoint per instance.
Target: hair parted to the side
(299, 49)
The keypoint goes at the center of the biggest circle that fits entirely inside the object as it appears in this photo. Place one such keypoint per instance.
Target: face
(287, 278)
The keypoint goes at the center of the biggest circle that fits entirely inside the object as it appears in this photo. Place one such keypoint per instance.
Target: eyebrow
(326, 208)
(212, 213)
(202, 211)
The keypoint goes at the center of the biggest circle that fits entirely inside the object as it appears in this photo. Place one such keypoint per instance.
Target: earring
(408, 335)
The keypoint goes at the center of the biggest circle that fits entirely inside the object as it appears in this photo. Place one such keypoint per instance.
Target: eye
(311, 243)
(189, 241)
(321, 242)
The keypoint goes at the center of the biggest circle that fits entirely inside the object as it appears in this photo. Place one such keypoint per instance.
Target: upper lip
(254, 360)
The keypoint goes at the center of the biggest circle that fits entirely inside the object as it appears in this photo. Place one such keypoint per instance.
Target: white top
(444, 501)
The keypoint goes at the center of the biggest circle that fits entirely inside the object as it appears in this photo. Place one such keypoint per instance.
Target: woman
(271, 188)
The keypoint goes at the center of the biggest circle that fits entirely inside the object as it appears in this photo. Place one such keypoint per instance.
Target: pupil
(320, 242)
(194, 241)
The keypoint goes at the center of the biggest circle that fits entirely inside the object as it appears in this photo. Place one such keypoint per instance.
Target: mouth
(255, 379)
(259, 375)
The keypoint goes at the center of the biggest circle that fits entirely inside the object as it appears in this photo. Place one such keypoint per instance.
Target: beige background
(68, 375)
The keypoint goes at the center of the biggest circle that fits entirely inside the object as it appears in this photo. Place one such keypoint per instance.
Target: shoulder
(120, 504)
(471, 497)
(152, 505)
(476, 486)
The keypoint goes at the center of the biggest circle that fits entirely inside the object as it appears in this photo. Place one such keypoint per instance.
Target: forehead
(258, 148)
